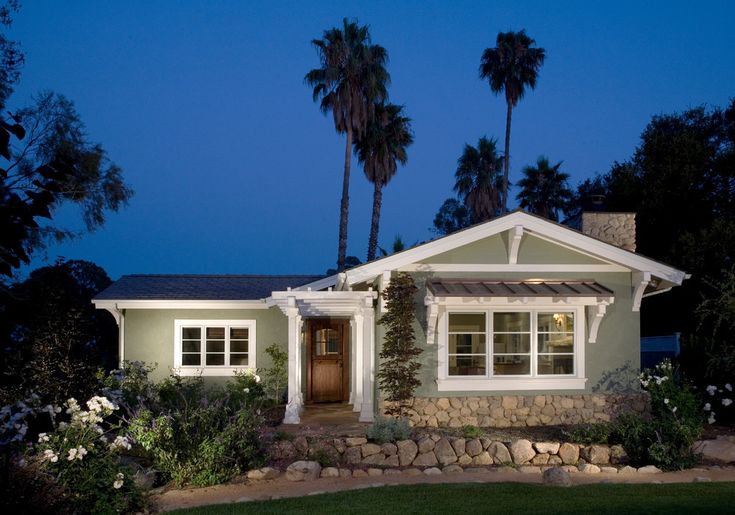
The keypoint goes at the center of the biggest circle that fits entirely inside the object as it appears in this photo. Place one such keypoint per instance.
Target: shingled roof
(201, 287)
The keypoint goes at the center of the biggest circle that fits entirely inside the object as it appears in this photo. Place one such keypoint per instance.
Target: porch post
(352, 362)
(357, 344)
(295, 399)
(367, 413)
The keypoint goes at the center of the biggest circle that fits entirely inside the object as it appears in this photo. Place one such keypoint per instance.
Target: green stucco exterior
(149, 333)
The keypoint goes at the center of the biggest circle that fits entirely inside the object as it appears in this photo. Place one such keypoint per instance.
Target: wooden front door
(326, 341)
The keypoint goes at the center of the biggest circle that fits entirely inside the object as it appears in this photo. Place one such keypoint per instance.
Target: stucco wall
(149, 333)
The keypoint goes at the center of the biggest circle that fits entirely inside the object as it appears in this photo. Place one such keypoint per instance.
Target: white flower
(118, 481)
(72, 454)
(666, 401)
(72, 406)
(673, 410)
(728, 387)
(726, 402)
(63, 425)
(121, 442)
(42, 437)
(257, 378)
(100, 404)
(707, 407)
(49, 455)
(711, 419)
(246, 390)
(711, 389)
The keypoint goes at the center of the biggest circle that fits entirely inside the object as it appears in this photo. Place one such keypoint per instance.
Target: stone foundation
(522, 411)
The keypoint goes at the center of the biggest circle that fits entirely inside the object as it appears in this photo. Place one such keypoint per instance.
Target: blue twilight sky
(235, 169)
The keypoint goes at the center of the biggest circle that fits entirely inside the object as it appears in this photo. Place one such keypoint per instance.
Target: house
(520, 320)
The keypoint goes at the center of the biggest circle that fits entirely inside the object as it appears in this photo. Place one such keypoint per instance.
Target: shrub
(322, 457)
(198, 436)
(276, 376)
(676, 422)
(129, 385)
(385, 430)
(246, 388)
(471, 431)
(589, 433)
(83, 456)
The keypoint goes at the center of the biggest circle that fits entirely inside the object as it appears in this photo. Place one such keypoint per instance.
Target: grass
(501, 498)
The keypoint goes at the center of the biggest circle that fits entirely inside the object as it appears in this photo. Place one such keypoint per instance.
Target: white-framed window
(511, 348)
(213, 347)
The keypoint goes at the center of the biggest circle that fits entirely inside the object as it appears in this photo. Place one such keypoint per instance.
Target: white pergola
(357, 306)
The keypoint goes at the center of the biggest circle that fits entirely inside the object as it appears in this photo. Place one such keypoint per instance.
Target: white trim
(181, 304)
(510, 384)
(595, 315)
(121, 338)
(514, 242)
(213, 370)
(535, 226)
(502, 267)
(640, 280)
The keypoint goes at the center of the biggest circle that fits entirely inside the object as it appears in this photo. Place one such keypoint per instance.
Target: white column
(368, 360)
(357, 344)
(352, 362)
(295, 399)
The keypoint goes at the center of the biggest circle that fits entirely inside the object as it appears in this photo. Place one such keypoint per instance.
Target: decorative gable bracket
(432, 313)
(640, 281)
(515, 235)
(595, 314)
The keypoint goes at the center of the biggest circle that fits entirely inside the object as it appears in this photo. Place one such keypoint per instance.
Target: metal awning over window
(485, 288)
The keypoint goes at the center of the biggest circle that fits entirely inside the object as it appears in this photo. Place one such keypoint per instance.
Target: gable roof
(200, 287)
(522, 223)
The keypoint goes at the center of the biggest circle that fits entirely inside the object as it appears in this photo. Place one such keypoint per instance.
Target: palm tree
(479, 178)
(510, 67)
(352, 76)
(544, 189)
(382, 147)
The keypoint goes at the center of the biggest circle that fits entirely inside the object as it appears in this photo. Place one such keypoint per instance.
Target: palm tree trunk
(375, 222)
(345, 204)
(506, 170)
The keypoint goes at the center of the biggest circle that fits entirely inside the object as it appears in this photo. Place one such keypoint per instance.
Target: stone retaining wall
(435, 454)
(521, 411)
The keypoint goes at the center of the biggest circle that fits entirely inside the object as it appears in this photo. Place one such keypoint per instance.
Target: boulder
(720, 450)
(301, 444)
(345, 473)
(426, 444)
(473, 447)
(569, 453)
(374, 459)
(499, 452)
(329, 472)
(426, 459)
(444, 452)
(262, 474)
(303, 471)
(389, 449)
(540, 459)
(649, 469)
(618, 456)
(459, 445)
(589, 468)
(452, 469)
(355, 441)
(483, 458)
(368, 449)
(407, 451)
(547, 447)
(352, 456)
(555, 460)
(628, 470)
(433, 471)
(412, 472)
(597, 454)
(374, 472)
(608, 470)
(359, 473)
(557, 477)
(392, 461)
(521, 451)
(465, 459)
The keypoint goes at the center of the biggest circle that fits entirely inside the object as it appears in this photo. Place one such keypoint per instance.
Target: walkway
(327, 418)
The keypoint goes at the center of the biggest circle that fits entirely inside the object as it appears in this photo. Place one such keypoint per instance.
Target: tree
(54, 339)
(398, 246)
(351, 79)
(50, 162)
(544, 189)
(398, 371)
(452, 216)
(380, 149)
(510, 67)
(478, 179)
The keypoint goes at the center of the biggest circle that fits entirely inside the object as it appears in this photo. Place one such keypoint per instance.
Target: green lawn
(503, 498)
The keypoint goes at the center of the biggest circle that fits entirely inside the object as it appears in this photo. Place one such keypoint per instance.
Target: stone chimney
(615, 228)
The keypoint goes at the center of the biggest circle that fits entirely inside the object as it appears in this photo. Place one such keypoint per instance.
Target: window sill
(483, 384)
(209, 371)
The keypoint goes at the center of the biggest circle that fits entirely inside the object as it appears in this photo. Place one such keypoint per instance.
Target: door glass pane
(326, 342)
(511, 365)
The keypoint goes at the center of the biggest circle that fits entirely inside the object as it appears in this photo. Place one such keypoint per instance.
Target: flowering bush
(82, 455)
(718, 404)
(676, 421)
